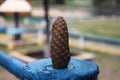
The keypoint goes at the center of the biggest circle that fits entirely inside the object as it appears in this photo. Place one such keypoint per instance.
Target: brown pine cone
(60, 52)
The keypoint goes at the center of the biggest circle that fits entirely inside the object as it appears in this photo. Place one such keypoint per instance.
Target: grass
(3, 48)
(107, 27)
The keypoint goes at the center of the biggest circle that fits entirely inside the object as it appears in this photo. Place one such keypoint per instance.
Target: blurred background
(93, 25)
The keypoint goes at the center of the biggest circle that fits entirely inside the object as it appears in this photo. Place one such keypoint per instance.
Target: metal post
(16, 18)
(47, 20)
(47, 32)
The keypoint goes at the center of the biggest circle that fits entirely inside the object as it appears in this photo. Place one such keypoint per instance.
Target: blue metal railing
(12, 65)
(43, 70)
(96, 38)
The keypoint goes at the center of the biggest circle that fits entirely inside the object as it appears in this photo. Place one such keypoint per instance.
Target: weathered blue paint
(12, 65)
(15, 31)
(2, 28)
(43, 70)
(77, 70)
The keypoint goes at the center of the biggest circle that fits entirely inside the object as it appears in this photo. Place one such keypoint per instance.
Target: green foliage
(98, 2)
(58, 1)
(106, 7)
(104, 2)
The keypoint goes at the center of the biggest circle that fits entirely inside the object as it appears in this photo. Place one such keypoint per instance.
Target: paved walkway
(64, 13)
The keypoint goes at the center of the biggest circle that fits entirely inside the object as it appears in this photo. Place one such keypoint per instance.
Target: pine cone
(60, 52)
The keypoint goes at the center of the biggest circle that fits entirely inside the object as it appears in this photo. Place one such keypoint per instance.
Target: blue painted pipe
(43, 70)
(13, 65)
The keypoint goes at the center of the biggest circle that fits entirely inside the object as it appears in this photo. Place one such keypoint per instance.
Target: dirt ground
(109, 68)
(5, 75)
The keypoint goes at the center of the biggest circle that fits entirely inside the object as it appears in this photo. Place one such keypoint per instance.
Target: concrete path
(64, 13)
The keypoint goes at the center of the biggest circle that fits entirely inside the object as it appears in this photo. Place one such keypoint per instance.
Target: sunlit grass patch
(108, 27)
